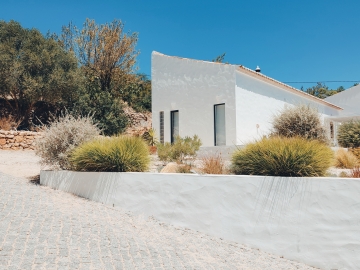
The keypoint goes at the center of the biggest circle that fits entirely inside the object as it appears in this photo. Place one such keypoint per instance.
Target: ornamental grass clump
(61, 137)
(280, 156)
(114, 154)
(300, 121)
(213, 164)
(345, 159)
(349, 134)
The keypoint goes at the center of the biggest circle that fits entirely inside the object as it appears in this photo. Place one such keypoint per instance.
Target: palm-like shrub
(61, 137)
(345, 159)
(300, 121)
(280, 156)
(114, 154)
(150, 137)
(349, 134)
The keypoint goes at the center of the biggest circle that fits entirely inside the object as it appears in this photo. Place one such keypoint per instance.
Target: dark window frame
(215, 121)
(172, 113)
(161, 127)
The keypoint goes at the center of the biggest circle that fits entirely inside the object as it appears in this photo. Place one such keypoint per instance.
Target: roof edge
(287, 87)
(260, 76)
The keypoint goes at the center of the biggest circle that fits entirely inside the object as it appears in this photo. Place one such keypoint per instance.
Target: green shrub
(114, 154)
(300, 121)
(61, 137)
(279, 156)
(349, 134)
(182, 148)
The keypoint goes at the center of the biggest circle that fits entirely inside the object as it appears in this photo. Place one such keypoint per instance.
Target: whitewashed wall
(258, 101)
(192, 87)
(310, 220)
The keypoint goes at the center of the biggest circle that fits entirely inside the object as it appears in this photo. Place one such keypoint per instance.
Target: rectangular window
(219, 124)
(174, 115)
(331, 130)
(162, 127)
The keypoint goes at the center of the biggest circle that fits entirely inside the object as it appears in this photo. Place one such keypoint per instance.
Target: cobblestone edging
(18, 140)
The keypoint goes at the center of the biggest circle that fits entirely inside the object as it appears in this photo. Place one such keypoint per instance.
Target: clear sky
(292, 41)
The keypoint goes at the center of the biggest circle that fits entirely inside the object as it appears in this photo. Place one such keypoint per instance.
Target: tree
(320, 90)
(33, 68)
(105, 52)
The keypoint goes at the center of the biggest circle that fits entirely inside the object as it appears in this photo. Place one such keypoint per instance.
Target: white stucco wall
(193, 87)
(348, 99)
(310, 220)
(258, 101)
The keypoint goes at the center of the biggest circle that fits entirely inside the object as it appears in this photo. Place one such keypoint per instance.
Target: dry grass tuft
(345, 159)
(213, 164)
(355, 172)
(9, 123)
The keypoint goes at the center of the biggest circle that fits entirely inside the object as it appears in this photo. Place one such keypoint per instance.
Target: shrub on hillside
(280, 156)
(114, 154)
(345, 159)
(61, 137)
(349, 134)
(181, 149)
(300, 121)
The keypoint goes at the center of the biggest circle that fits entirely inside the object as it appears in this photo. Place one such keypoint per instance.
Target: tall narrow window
(219, 124)
(174, 125)
(331, 130)
(162, 127)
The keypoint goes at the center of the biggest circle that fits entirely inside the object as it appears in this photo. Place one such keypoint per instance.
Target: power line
(325, 81)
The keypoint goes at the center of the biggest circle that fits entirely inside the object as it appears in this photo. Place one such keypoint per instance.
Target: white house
(223, 104)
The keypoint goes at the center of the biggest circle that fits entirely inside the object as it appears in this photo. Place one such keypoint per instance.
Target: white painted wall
(193, 87)
(348, 99)
(310, 220)
(258, 101)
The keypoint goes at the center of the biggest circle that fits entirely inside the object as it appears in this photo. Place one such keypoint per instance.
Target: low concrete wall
(311, 220)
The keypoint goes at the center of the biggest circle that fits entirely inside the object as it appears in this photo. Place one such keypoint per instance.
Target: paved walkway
(41, 228)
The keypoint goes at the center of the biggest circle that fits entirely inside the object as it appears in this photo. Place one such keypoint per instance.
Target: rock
(19, 139)
(171, 167)
(2, 141)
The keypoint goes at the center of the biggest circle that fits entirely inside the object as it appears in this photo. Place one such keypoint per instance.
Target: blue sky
(302, 41)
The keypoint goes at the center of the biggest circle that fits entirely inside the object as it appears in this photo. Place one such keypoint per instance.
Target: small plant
(150, 137)
(349, 134)
(9, 123)
(301, 121)
(355, 172)
(181, 149)
(279, 156)
(61, 137)
(114, 154)
(345, 159)
(213, 164)
(184, 168)
(343, 175)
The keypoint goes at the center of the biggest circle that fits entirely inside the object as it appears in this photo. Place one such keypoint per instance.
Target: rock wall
(18, 140)
(139, 122)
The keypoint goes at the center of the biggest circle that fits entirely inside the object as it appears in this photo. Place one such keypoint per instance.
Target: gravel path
(41, 228)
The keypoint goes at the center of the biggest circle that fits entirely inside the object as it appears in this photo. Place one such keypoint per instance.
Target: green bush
(182, 148)
(61, 137)
(349, 134)
(280, 156)
(114, 154)
(300, 121)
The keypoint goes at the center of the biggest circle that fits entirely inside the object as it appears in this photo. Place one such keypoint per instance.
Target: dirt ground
(21, 163)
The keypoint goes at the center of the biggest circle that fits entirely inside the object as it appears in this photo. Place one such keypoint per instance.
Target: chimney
(257, 69)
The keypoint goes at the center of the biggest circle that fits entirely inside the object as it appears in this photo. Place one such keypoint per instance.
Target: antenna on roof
(257, 69)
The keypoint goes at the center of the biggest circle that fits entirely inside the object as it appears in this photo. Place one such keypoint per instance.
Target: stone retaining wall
(18, 140)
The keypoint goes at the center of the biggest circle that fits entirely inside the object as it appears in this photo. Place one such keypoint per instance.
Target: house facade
(223, 104)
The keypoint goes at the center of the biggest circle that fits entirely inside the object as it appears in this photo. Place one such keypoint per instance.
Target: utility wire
(324, 82)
